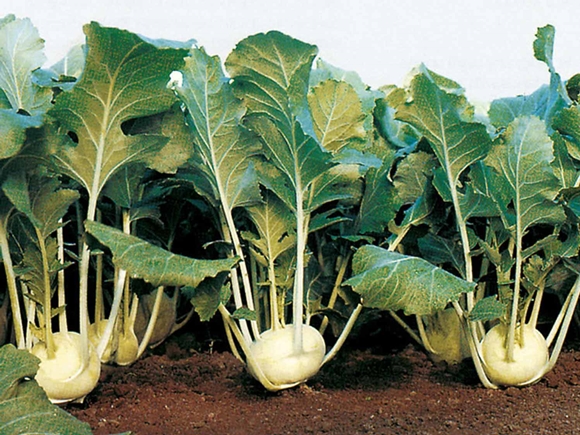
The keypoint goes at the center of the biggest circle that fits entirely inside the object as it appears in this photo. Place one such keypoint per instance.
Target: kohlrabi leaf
(399, 134)
(207, 296)
(563, 165)
(270, 73)
(523, 182)
(224, 150)
(124, 78)
(411, 175)
(24, 407)
(125, 188)
(22, 102)
(338, 116)
(487, 309)
(154, 264)
(439, 250)
(380, 201)
(567, 123)
(392, 281)
(275, 225)
(178, 150)
(325, 71)
(543, 103)
(443, 120)
(41, 200)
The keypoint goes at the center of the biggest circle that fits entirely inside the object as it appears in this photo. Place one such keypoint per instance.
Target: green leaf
(224, 150)
(124, 78)
(392, 281)
(338, 116)
(22, 102)
(441, 118)
(439, 250)
(567, 122)
(399, 134)
(523, 182)
(544, 103)
(245, 313)
(154, 264)
(207, 296)
(411, 176)
(275, 225)
(41, 200)
(124, 188)
(380, 201)
(24, 407)
(270, 73)
(487, 309)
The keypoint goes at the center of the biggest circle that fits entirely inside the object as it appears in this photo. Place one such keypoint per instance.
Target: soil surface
(179, 390)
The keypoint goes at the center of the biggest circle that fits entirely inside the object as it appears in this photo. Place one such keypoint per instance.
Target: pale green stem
(152, 321)
(12, 286)
(298, 291)
(113, 314)
(62, 322)
(274, 313)
(30, 308)
(423, 335)
(344, 261)
(99, 306)
(230, 236)
(395, 243)
(474, 347)
(343, 335)
(562, 313)
(511, 338)
(126, 216)
(47, 303)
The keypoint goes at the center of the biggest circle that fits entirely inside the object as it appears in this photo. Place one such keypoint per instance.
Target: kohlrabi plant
(65, 137)
(508, 186)
(280, 153)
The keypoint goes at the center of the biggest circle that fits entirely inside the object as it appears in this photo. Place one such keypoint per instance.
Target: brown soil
(363, 391)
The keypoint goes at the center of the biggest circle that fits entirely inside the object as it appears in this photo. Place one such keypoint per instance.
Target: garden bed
(363, 391)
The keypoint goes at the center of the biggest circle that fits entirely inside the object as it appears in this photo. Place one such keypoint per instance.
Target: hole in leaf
(74, 137)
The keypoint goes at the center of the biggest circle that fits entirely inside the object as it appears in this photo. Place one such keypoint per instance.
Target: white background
(485, 45)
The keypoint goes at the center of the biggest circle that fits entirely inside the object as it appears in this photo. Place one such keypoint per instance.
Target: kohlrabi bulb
(529, 361)
(65, 378)
(275, 354)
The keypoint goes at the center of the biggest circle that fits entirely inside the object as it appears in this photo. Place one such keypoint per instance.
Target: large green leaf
(22, 102)
(154, 264)
(523, 182)
(24, 407)
(392, 281)
(124, 78)
(271, 73)
(443, 120)
(338, 116)
(224, 150)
